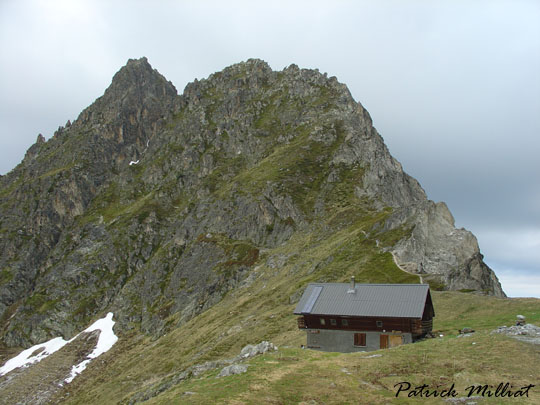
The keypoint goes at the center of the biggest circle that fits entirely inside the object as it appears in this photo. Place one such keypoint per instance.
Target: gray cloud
(453, 87)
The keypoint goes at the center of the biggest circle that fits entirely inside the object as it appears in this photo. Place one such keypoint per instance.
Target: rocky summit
(155, 205)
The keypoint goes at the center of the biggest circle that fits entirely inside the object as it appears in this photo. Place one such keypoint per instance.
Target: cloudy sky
(452, 86)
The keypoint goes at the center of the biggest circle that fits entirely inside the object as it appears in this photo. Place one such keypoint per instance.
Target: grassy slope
(262, 312)
(294, 375)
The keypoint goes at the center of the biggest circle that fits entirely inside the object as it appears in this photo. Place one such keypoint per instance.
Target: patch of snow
(106, 340)
(133, 162)
(25, 358)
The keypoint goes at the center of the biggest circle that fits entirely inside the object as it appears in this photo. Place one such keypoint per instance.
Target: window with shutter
(359, 339)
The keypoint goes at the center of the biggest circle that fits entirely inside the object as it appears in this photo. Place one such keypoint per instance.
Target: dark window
(322, 321)
(379, 324)
(333, 322)
(345, 322)
(359, 339)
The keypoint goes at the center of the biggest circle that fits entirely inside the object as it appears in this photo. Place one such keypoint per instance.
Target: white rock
(233, 369)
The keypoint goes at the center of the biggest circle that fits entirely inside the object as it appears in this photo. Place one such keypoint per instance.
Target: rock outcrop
(155, 205)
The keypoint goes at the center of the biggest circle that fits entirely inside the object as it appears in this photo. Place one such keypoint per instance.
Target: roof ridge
(385, 284)
(407, 300)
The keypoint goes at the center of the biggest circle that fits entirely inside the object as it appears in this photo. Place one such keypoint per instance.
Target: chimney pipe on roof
(352, 288)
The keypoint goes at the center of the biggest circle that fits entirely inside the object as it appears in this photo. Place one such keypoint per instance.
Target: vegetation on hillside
(262, 311)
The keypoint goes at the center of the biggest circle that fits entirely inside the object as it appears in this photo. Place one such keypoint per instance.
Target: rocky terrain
(155, 205)
(528, 333)
(39, 382)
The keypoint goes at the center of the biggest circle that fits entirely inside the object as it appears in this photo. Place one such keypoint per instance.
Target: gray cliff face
(441, 252)
(154, 205)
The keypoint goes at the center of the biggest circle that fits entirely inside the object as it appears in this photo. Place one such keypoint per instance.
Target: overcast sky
(452, 86)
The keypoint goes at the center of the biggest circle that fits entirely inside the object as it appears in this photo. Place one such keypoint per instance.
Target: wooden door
(396, 340)
(384, 341)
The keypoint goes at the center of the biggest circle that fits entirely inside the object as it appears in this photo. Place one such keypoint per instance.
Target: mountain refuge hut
(341, 317)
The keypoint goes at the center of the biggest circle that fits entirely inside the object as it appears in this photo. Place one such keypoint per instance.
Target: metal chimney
(352, 287)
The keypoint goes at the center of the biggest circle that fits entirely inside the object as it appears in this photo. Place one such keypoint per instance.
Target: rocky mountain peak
(250, 66)
(156, 205)
(130, 111)
(139, 74)
(137, 92)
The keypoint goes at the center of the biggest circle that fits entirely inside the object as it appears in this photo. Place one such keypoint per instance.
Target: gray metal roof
(378, 300)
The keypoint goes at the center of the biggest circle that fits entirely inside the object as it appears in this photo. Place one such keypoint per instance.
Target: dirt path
(396, 262)
(414, 274)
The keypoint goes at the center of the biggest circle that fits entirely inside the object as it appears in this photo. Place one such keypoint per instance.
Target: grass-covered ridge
(263, 311)
(293, 375)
